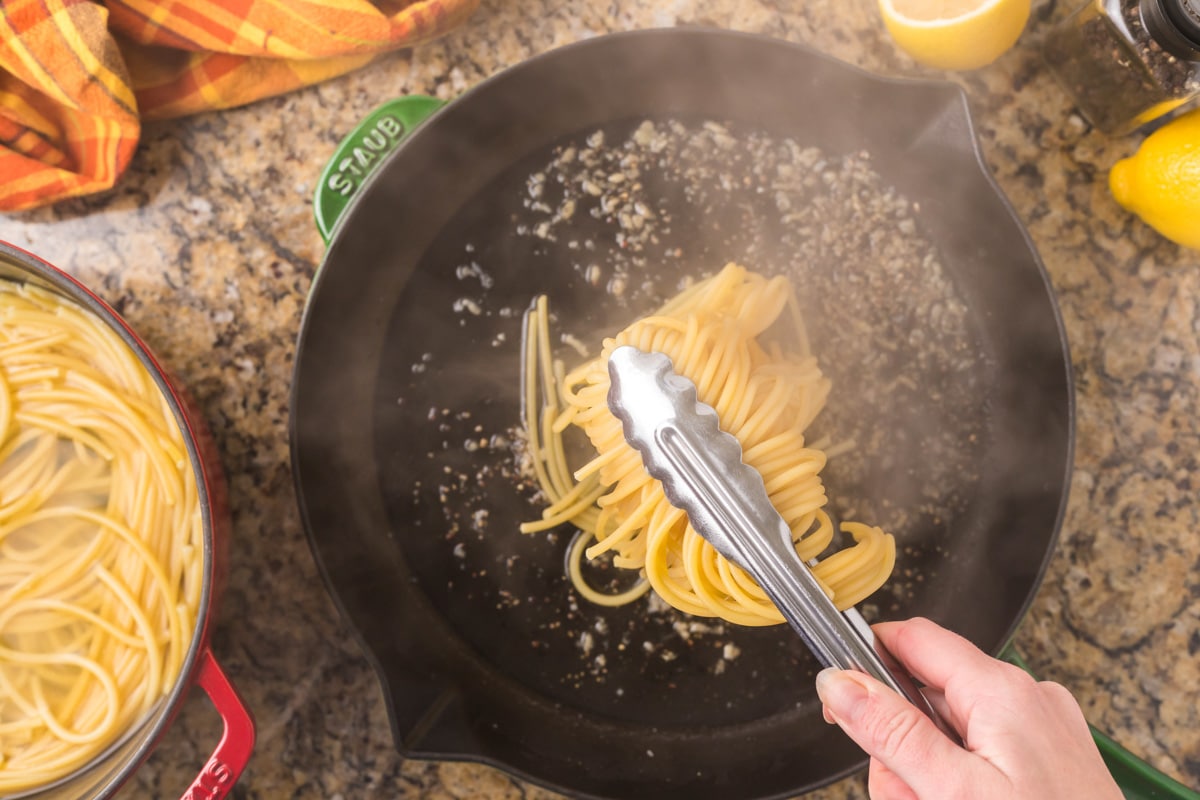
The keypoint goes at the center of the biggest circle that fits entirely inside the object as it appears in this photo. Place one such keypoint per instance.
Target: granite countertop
(207, 247)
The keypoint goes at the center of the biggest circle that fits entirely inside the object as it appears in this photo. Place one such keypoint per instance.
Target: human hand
(1022, 739)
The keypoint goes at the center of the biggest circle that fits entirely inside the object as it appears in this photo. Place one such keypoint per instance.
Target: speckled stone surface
(207, 247)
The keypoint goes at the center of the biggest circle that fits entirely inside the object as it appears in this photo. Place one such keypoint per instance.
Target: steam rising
(606, 223)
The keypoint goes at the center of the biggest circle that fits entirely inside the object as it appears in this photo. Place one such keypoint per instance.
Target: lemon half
(955, 34)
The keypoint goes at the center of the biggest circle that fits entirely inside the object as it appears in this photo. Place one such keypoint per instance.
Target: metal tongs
(702, 472)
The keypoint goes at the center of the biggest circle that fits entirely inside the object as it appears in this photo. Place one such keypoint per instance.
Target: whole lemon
(1161, 181)
(955, 34)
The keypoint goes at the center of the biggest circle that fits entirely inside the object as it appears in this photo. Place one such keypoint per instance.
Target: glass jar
(1126, 62)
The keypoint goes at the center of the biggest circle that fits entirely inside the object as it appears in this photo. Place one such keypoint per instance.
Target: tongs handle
(755, 537)
(701, 471)
(849, 642)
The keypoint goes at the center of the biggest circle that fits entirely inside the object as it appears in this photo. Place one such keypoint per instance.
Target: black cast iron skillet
(481, 648)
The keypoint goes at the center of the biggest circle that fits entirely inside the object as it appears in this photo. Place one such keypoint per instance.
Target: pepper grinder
(1127, 62)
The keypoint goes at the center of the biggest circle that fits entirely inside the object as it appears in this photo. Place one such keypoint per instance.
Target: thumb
(893, 731)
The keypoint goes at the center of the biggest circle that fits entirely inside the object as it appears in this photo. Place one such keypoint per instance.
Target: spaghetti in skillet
(766, 396)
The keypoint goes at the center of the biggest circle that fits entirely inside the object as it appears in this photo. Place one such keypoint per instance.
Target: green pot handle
(361, 153)
(1137, 779)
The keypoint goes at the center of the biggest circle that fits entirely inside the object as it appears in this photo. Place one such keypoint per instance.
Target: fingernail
(839, 692)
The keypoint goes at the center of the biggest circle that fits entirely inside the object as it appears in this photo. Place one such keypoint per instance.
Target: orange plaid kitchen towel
(77, 77)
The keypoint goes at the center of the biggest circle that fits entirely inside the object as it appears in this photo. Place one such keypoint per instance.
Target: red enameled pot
(105, 774)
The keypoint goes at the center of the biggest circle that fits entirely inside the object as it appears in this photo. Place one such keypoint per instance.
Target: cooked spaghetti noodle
(100, 539)
(765, 396)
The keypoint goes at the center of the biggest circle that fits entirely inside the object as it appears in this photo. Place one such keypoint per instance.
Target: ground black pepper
(611, 222)
(1122, 71)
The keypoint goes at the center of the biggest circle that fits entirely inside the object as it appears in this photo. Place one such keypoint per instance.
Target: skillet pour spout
(484, 652)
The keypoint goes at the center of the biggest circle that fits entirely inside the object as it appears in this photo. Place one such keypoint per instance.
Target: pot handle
(233, 751)
(1137, 779)
(362, 151)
